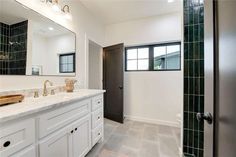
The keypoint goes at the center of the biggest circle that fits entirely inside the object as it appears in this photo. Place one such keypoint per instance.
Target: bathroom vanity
(61, 125)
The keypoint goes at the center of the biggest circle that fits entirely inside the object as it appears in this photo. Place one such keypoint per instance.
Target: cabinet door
(82, 137)
(58, 144)
(30, 152)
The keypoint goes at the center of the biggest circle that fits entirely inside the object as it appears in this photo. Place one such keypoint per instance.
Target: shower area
(13, 48)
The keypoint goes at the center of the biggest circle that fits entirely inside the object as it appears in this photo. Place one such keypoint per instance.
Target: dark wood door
(113, 82)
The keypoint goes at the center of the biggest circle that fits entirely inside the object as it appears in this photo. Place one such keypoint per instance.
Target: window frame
(67, 54)
(151, 56)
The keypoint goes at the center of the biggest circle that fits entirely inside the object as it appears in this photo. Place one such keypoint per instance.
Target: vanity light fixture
(171, 1)
(57, 8)
(66, 10)
(55, 5)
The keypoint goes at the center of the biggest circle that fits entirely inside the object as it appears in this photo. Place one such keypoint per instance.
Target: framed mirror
(31, 44)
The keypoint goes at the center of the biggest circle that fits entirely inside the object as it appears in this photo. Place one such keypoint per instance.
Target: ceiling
(115, 11)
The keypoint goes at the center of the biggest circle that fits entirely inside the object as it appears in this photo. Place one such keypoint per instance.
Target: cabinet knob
(72, 131)
(99, 134)
(99, 102)
(75, 129)
(99, 117)
(6, 144)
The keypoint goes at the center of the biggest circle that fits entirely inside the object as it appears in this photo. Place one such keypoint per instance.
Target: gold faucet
(45, 91)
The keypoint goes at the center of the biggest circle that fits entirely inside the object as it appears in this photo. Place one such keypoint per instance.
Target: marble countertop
(32, 105)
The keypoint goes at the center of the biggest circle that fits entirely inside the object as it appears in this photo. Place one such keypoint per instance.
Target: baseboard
(153, 121)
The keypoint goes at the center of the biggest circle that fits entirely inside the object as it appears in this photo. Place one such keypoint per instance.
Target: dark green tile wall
(13, 56)
(193, 77)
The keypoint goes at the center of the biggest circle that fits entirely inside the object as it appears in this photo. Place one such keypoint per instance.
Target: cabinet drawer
(97, 118)
(97, 102)
(97, 134)
(54, 120)
(15, 137)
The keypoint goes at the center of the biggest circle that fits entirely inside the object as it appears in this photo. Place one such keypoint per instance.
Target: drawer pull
(75, 129)
(72, 131)
(6, 144)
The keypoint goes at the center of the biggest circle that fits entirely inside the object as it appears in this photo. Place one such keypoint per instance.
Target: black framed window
(158, 57)
(67, 63)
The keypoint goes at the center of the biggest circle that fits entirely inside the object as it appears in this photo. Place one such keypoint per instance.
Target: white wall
(46, 50)
(83, 24)
(155, 97)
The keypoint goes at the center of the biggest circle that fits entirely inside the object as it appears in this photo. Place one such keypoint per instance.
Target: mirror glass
(31, 44)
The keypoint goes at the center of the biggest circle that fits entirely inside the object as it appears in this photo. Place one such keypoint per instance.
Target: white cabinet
(16, 137)
(71, 141)
(29, 152)
(82, 137)
(57, 145)
(68, 131)
(56, 119)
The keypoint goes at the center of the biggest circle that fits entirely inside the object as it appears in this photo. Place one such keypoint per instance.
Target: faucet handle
(36, 94)
(52, 91)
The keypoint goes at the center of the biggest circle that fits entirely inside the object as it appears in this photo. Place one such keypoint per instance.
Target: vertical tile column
(193, 77)
(4, 48)
(18, 51)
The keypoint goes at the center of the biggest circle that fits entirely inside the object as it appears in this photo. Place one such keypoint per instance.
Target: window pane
(132, 65)
(160, 51)
(70, 68)
(159, 58)
(173, 49)
(173, 57)
(63, 67)
(143, 53)
(63, 59)
(143, 64)
(70, 59)
(132, 54)
(159, 64)
(66, 63)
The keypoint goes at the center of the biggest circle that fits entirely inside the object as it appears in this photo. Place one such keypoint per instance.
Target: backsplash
(193, 77)
(30, 92)
(13, 40)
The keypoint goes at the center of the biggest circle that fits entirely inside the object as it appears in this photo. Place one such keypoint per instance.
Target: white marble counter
(32, 105)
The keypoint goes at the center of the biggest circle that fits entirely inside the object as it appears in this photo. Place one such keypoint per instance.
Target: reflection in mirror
(31, 44)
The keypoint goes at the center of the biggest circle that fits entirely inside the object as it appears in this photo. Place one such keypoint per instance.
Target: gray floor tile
(137, 139)
(149, 149)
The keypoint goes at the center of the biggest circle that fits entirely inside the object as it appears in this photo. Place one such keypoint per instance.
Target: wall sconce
(66, 10)
(54, 4)
(57, 8)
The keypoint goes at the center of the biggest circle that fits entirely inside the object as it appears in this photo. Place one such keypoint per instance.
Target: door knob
(205, 116)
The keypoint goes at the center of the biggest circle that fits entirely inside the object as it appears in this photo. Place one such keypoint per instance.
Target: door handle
(121, 87)
(205, 116)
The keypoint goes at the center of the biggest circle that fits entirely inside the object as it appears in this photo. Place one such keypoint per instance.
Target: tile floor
(136, 139)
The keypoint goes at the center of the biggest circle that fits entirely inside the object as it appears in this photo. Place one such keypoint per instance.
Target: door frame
(86, 57)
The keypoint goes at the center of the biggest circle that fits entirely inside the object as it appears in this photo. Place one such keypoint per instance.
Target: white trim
(153, 121)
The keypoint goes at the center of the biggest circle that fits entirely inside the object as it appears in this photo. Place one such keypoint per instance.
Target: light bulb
(56, 7)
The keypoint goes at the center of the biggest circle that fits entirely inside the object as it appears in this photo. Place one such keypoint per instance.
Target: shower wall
(13, 48)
